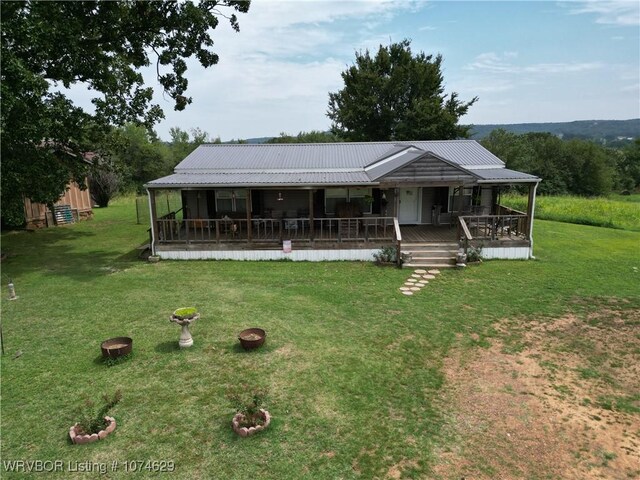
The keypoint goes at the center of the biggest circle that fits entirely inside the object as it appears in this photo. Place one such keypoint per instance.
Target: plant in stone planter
(185, 317)
(95, 424)
(250, 417)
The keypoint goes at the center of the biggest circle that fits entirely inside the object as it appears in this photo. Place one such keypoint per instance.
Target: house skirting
(359, 254)
(506, 253)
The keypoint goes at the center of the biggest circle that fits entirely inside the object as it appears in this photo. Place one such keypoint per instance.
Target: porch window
(358, 196)
(333, 197)
(361, 197)
(471, 196)
(231, 200)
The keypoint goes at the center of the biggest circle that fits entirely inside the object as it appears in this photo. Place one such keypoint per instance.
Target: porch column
(311, 232)
(248, 206)
(396, 202)
(154, 219)
(460, 199)
(531, 205)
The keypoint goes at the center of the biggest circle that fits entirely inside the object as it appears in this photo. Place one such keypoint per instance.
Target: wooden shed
(73, 206)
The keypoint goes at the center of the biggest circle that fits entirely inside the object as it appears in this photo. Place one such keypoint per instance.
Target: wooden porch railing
(361, 229)
(492, 227)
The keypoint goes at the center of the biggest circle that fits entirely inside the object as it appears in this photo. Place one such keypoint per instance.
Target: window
(231, 200)
(333, 197)
(471, 196)
(357, 196)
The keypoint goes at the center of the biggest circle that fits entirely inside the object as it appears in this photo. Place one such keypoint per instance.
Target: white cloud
(610, 12)
(276, 73)
(496, 63)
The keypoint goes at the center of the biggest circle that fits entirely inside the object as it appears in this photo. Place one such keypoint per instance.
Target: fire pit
(252, 338)
(116, 347)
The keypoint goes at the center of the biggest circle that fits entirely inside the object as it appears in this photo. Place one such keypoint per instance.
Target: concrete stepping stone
(415, 275)
(429, 277)
(420, 271)
(412, 280)
(404, 289)
(415, 289)
(434, 272)
(420, 284)
(407, 293)
(409, 284)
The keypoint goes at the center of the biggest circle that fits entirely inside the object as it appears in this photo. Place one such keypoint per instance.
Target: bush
(386, 255)
(92, 421)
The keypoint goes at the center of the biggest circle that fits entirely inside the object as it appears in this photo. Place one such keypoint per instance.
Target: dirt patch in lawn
(549, 399)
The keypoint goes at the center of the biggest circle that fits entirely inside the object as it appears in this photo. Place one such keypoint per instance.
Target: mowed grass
(354, 368)
(618, 211)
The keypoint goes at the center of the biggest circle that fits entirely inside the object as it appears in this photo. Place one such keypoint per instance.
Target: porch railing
(493, 227)
(256, 230)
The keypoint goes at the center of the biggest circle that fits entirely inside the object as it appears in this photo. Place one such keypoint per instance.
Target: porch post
(248, 206)
(154, 221)
(396, 202)
(531, 205)
(311, 222)
(460, 197)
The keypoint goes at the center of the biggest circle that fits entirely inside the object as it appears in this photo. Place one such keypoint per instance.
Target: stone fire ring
(81, 439)
(248, 431)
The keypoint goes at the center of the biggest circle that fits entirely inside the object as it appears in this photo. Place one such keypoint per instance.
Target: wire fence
(166, 202)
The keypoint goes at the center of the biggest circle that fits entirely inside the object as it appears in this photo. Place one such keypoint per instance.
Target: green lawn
(354, 368)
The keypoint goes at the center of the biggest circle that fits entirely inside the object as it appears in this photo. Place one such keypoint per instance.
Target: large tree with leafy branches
(103, 45)
(396, 95)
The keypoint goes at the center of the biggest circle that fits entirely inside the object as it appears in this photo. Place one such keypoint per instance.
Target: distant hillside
(609, 132)
(604, 131)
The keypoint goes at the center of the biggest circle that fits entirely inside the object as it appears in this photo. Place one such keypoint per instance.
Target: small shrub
(386, 255)
(91, 420)
(248, 401)
(474, 254)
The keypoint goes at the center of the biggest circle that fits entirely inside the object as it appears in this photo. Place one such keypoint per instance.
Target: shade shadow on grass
(167, 347)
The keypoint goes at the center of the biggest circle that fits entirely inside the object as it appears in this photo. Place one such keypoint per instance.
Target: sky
(536, 61)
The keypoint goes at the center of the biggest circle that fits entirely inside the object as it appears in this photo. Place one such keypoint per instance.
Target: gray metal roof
(499, 175)
(261, 179)
(401, 159)
(325, 155)
(363, 163)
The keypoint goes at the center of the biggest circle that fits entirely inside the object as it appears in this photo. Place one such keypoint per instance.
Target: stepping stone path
(418, 279)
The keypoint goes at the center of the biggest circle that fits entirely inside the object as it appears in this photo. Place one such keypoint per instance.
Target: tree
(313, 136)
(396, 96)
(103, 45)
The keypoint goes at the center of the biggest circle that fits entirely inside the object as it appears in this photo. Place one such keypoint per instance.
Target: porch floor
(428, 234)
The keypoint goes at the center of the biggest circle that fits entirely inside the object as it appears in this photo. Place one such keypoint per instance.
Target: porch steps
(440, 254)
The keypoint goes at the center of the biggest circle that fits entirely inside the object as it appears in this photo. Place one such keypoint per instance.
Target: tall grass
(611, 212)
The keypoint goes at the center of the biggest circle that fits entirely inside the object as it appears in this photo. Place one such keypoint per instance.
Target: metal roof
(261, 179)
(355, 155)
(362, 163)
(499, 175)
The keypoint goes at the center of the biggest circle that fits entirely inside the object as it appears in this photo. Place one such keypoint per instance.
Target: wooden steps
(437, 254)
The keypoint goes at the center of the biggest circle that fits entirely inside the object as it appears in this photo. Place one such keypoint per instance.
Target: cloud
(276, 73)
(496, 63)
(610, 12)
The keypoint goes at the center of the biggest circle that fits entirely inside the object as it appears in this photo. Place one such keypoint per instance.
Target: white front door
(409, 211)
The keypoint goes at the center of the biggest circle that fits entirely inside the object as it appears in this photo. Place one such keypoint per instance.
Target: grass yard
(363, 382)
(617, 211)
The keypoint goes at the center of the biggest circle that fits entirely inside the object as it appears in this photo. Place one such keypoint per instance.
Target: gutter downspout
(533, 208)
(151, 219)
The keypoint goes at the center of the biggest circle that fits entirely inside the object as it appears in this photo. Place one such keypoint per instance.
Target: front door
(409, 211)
